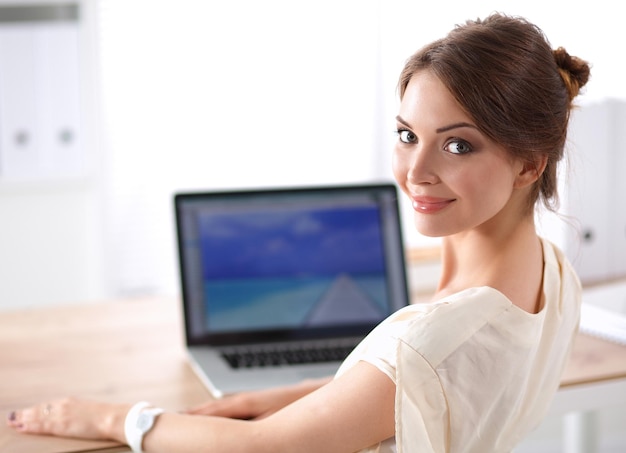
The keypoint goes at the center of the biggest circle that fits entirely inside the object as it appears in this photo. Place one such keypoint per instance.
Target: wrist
(138, 422)
(112, 425)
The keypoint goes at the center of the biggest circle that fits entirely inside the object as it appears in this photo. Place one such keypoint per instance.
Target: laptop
(279, 285)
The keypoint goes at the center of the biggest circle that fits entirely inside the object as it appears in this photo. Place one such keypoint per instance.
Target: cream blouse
(473, 372)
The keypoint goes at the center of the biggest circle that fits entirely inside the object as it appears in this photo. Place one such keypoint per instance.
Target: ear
(531, 171)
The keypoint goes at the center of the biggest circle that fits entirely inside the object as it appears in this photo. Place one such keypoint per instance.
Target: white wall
(50, 242)
(222, 95)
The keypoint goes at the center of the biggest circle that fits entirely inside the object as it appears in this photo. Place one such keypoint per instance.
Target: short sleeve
(422, 423)
(379, 348)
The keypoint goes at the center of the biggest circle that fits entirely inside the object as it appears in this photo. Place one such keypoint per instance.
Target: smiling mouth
(431, 205)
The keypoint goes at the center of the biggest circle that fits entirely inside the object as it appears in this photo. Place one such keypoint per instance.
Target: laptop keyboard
(278, 355)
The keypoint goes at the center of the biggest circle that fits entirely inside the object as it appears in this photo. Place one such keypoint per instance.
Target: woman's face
(457, 178)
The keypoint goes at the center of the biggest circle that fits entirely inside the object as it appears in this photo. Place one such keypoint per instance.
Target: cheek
(489, 189)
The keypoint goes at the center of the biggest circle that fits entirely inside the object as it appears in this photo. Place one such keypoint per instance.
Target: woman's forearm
(184, 433)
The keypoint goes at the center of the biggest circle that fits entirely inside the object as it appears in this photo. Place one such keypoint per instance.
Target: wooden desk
(116, 351)
(133, 350)
(594, 360)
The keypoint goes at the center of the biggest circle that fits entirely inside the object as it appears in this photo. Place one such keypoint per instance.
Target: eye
(458, 147)
(406, 136)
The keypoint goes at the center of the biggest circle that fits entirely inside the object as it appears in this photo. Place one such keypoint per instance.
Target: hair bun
(574, 71)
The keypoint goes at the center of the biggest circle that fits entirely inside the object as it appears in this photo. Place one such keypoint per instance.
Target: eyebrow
(440, 129)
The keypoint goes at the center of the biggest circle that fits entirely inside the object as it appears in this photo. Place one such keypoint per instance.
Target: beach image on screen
(272, 270)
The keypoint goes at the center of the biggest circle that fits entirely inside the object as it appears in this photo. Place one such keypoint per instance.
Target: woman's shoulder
(445, 324)
(440, 328)
(558, 269)
(478, 303)
(481, 301)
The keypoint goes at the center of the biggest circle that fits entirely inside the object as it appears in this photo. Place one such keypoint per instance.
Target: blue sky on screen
(307, 243)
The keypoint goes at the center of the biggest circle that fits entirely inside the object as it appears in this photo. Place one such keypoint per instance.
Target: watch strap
(134, 430)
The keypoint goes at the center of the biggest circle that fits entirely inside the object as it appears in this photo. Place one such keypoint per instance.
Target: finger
(201, 409)
(209, 407)
(235, 406)
(64, 417)
(14, 419)
(32, 419)
(68, 417)
(221, 408)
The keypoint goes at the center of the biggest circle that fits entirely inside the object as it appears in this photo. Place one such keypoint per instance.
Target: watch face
(145, 421)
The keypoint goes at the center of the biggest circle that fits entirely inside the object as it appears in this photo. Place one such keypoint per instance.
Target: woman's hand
(257, 404)
(320, 415)
(85, 419)
(70, 417)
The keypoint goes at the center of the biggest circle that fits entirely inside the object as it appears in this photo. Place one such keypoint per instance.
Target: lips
(431, 205)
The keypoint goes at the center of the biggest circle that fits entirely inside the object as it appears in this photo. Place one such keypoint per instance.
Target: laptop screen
(284, 264)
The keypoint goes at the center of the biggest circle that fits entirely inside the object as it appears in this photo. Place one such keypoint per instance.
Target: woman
(481, 127)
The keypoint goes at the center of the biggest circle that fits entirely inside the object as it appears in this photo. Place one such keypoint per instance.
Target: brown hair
(504, 74)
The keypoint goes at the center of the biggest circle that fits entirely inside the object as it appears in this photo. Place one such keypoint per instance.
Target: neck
(490, 257)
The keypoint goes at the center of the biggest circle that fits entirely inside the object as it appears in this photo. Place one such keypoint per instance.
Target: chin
(433, 229)
(432, 235)
(431, 232)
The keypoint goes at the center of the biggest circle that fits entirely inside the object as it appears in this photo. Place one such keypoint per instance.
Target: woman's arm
(349, 413)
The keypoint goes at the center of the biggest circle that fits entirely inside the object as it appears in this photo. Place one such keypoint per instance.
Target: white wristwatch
(139, 420)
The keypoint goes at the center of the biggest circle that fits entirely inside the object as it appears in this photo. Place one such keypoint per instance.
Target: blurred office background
(108, 107)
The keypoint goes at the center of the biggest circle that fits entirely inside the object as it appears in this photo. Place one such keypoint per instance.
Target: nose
(422, 166)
